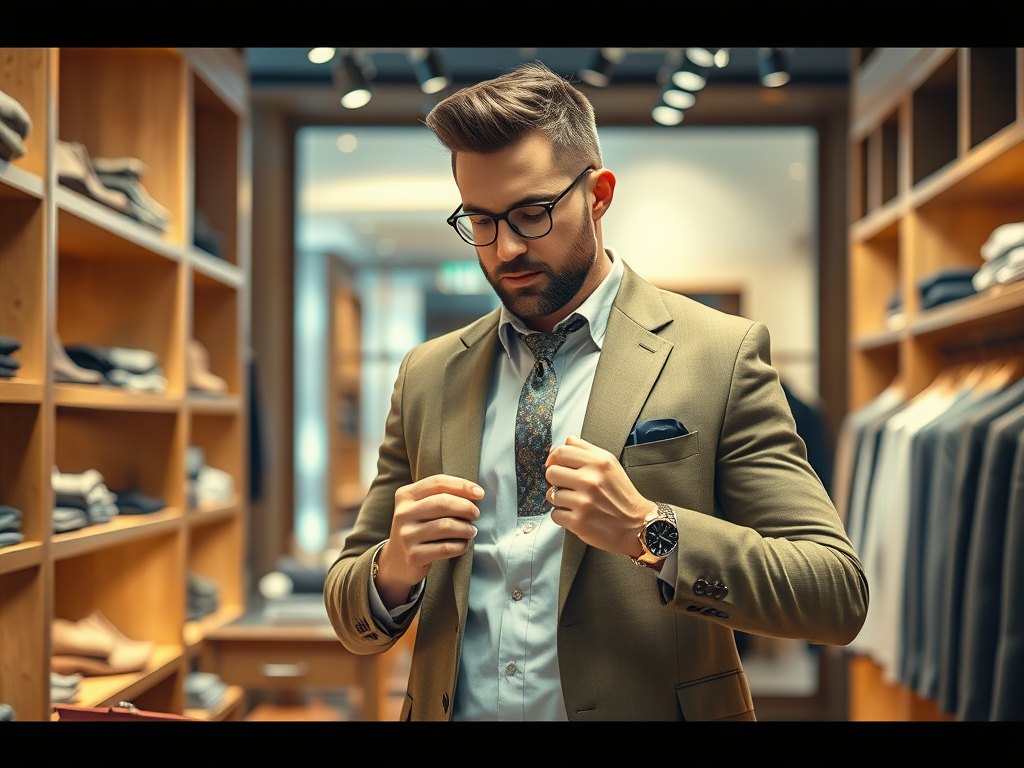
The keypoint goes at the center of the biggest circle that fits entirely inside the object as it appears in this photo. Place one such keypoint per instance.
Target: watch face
(661, 538)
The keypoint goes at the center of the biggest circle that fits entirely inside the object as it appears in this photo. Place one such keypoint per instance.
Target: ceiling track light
(702, 57)
(663, 114)
(321, 55)
(773, 66)
(430, 69)
(353, 77)
(722, 58)
(687, 74)
(601, 66)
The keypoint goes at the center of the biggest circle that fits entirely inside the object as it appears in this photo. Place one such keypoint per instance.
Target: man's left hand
(594, 498)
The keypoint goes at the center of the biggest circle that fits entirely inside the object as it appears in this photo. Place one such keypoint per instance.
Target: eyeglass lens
(529, 221)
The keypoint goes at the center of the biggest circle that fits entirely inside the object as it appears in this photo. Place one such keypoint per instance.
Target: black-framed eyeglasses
(530, 221)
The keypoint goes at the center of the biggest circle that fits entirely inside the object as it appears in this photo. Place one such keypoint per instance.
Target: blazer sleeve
(774, 559)
(346, 590)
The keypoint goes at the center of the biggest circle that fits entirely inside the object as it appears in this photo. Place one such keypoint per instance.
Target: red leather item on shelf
(127, 714)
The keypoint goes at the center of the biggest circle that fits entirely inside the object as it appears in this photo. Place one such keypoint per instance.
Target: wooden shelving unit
(73, 268)
(936, 163)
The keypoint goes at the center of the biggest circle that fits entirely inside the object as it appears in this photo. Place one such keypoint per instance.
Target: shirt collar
(595, 309)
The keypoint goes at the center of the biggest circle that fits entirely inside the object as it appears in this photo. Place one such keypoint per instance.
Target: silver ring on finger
(551, 495)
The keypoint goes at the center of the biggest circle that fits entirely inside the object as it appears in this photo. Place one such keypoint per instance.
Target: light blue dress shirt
(509, 666)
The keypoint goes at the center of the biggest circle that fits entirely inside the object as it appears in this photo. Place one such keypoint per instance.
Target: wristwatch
(658, 537)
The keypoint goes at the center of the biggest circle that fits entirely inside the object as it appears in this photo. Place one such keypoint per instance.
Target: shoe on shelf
(73, 638)
(75, 171)
(67, 371)
(199, 376)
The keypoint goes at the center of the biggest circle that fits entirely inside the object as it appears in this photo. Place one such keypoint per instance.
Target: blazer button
(700, 587)
(444, 701)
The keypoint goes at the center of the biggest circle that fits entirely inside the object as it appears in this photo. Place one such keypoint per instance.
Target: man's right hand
(432, 522)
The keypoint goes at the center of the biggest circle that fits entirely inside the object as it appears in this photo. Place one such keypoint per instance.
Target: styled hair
(495, 114)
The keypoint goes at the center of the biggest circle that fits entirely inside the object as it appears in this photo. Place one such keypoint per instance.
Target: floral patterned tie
(533, 419)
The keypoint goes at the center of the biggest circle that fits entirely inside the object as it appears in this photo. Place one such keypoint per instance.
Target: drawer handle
(286, 670)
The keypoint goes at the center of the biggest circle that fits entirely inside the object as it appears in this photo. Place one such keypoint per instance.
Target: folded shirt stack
(203, 596)
(1003, 253)
(206, 484)
(81, 497)
(204, 690)
(94, 646)
(114, 182)
(137, 370)
(131, 501)
(10, 526)
(8, 365)
(946, 285)
(64, 688)
(15, 125)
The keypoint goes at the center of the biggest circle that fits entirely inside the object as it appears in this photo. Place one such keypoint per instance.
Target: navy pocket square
(655, 429)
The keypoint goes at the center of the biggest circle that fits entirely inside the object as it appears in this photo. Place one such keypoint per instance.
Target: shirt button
(510, 668)
(527, 527)
(517, 594)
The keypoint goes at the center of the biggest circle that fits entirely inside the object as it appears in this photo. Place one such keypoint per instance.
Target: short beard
(537, 301)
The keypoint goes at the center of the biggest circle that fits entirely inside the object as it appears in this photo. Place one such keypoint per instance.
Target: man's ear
(604, 190)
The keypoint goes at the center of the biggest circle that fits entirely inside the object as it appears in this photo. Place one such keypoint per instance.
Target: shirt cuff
(391, 620)
(667, 576)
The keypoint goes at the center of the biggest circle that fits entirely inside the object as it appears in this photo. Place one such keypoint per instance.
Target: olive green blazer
(761, 547)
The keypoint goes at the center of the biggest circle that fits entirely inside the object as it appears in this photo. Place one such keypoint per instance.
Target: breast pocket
(661, 451)
(667, 470)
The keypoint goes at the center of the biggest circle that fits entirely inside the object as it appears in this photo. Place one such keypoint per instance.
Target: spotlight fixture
(678, 98)
(690, 76)
(321, 55)
(666, 115)
(598, 72)
(430, 69)
(702, 57)
(722, 58)
(773, 66)
(352, 77)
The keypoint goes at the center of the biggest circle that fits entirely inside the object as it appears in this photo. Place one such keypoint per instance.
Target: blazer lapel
(467, 378)
(632, 358)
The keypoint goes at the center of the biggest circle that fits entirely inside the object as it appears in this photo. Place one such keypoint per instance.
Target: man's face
(537, 279)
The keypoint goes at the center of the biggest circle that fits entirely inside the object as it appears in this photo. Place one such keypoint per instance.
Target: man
(673, 448)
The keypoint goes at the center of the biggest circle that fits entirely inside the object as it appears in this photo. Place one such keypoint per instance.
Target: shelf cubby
(935, 120)
(215, 326)
(874, 277)
(130, 102)
(99, 301)
(993, 91)
(216, 165)
(137, 585)
(215, 552)
(130, 449)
